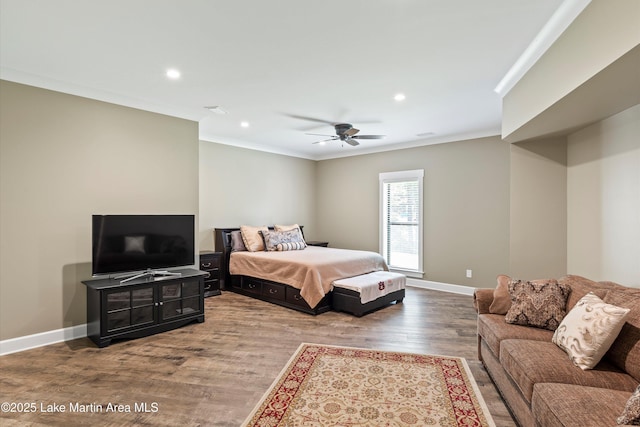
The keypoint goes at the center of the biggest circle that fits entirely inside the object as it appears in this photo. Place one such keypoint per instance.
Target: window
(401, 220)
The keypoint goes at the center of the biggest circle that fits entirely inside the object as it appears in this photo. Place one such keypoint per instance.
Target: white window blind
(401, 220)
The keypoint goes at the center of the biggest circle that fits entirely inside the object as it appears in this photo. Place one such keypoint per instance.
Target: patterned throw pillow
(589, 329)
(274, 238)
(538, 303)
(631, 413)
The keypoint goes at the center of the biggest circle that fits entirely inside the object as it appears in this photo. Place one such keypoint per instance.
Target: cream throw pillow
(589, 329)
(252, 238)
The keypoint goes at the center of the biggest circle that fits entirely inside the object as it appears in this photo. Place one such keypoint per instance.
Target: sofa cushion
(589, 329)
(573, 405)
(532, 362)
(625, 350)
(581, 286)
(631, 413)
(493, 329)
(539, 303)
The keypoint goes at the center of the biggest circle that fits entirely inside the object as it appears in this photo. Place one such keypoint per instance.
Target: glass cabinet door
(131, 307)
(179, 299)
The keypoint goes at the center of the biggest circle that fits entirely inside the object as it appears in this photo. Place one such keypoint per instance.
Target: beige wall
(604, 199)
(601, 34)
(538, 219)
(239, 186)
(466, 206)
(62, 159)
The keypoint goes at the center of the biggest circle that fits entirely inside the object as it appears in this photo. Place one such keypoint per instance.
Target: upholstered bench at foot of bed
(368, 292)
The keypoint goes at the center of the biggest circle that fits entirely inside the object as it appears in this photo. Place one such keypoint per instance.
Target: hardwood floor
(214, 373)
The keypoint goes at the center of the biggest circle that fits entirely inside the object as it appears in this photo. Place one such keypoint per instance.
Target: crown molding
(559, 22)
(29, 79)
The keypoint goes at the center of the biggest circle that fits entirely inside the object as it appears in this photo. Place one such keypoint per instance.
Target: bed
(300, 279)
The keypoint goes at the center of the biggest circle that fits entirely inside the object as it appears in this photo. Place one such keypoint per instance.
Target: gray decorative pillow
(273, 238)
(631, 413)
(237, 244)
(538, 303)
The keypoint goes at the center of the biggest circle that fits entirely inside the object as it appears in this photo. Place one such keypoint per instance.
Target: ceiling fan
(345, 132)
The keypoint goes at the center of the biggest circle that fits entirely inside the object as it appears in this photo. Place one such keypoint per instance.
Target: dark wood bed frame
(339, 299)
(277, 293)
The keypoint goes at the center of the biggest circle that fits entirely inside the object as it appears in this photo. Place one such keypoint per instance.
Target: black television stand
(143, 306)
(147, 273)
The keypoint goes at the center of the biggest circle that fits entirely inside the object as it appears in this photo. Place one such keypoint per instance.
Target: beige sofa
(538, 381)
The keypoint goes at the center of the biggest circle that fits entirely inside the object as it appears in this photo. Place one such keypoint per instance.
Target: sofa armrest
(482, 299)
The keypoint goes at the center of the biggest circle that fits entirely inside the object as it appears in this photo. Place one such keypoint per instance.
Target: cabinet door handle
(297, 297)
(161, 303)
(273, 291)
(252, 286)
(207, 265)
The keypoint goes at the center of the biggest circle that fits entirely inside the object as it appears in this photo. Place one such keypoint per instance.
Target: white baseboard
(28, 342)
(438, 286)
(41, 339)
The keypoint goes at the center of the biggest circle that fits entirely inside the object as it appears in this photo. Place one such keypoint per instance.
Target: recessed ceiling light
(173, 74)
(244, 124)
(399, 97)
(426, 134)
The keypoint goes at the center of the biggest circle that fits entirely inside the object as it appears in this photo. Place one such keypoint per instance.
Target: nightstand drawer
(209, 261)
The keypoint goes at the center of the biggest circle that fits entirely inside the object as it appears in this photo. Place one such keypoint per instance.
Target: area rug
(341, 386)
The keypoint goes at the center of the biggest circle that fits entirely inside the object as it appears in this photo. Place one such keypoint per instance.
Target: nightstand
(317, 243)
(210, 262)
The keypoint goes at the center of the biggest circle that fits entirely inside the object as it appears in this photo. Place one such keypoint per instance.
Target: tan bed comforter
(311, 270)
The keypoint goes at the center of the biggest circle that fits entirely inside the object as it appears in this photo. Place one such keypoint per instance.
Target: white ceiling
(263, 61)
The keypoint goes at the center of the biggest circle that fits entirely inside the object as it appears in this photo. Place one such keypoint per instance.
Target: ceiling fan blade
(351, 141)
(352, 131)
(310, 119)
(319, 134)
(369, 136)
(326, 140)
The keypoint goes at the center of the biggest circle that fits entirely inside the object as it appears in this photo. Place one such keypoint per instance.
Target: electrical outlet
(469, 274)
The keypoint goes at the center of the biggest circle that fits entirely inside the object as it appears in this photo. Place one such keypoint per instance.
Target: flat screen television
(133, 243)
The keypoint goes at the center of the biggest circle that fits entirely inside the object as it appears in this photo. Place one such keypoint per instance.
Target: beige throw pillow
(589, 329)
(501, 299)
(252, 238)
(631, 413)
(539, 303)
